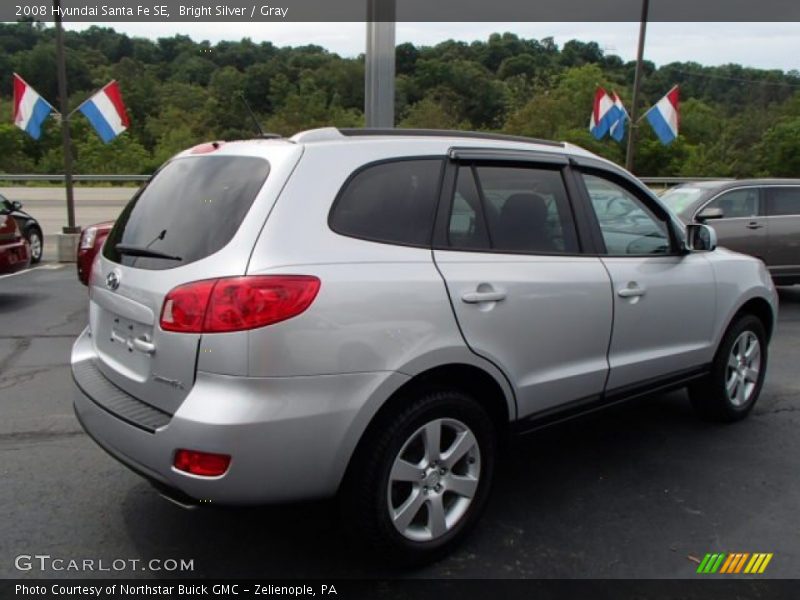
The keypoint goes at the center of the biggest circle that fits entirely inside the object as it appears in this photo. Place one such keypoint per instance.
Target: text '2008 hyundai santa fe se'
(366, 313)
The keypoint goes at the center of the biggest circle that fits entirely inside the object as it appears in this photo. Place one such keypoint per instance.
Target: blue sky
(763, 45)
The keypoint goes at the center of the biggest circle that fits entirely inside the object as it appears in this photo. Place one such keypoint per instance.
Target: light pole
(63, 103)
(379, 64)
(637, 81)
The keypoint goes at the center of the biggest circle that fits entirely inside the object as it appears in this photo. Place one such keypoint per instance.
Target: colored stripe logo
(735, 562)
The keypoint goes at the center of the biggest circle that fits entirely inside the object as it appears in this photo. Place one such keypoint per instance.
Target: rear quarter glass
(190, 209)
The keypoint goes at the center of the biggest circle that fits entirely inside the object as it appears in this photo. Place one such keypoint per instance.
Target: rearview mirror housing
(700, 238)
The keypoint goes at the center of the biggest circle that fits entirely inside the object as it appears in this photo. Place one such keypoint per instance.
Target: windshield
(681, 198)
(190, 209)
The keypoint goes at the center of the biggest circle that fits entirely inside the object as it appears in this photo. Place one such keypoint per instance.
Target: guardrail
(660, 181)
(670, 181)
(76, 178)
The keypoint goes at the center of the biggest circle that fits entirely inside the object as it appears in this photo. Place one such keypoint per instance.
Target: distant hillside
(735, 121)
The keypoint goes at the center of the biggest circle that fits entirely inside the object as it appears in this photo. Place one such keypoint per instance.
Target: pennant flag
(604, 114)
(617, 130)
(30, 109)
(106, 112)
(664, 116)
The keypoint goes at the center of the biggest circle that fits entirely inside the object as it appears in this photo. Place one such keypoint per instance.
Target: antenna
(252, 115)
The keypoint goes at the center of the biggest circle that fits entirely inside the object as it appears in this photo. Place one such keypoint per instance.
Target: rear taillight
(185, 307)
(204, 464)
(87, 238)
(237, 303)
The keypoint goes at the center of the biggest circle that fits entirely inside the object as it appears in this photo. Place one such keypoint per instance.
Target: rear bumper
(290, 437)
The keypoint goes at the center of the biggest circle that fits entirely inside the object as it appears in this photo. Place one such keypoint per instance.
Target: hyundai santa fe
(368, 313)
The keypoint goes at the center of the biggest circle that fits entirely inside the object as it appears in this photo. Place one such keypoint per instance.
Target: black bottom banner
(461, 589)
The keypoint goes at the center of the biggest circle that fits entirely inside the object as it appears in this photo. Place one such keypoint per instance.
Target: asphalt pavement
(642, 491)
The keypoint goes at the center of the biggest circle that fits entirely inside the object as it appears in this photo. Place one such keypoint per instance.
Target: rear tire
(421, 477)
(732, 388)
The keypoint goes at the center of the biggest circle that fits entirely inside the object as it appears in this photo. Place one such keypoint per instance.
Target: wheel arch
(492, 392)
(760, 308)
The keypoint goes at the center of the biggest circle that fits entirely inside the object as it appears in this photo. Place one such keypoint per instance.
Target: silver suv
(368, 313)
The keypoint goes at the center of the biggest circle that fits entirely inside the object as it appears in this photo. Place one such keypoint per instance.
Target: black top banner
(401, 10)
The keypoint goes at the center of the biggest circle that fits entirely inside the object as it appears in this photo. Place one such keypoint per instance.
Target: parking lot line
(45, 267)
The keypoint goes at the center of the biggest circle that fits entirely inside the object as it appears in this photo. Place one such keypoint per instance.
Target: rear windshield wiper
(131, 250)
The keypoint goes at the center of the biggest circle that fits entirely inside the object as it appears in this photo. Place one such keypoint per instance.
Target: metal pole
(63, 103)
(379, 65)
(637, 81)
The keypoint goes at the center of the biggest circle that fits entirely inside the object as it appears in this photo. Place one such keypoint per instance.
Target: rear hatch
(196, 219)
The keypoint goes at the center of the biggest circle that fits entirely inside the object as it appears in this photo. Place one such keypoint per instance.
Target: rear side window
(390, 202)
(189, 210)
(513, 209)
(783, 201)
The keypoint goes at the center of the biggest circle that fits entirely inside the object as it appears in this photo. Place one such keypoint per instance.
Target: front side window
(512, 209)
(627, 225)
(783, 201)
(391, 202)
(737, 204)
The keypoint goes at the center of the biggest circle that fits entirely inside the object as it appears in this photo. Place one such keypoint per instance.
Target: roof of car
(723, 184)
(425, 140)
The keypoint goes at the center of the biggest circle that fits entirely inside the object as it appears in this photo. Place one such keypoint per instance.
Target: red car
(15, 252)
(92, 239)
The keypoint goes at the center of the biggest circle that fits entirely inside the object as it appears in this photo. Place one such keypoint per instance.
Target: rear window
(390, 202)
(190, 209)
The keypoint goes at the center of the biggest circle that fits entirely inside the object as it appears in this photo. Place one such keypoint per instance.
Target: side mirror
(700, 238)
(710, 213)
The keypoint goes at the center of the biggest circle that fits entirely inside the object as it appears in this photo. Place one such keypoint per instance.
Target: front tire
(421, 477)
(732, 388)
(34, 237)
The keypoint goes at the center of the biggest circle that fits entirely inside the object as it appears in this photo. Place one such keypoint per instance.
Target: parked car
(760, 217)
(369, 313)
(91, 241)
(29, 226)
(15, 253)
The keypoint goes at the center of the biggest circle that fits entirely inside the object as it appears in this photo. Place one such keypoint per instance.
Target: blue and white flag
(604, 114)
(30, 109)
(664, 116)
(106, 112)
(617, 130)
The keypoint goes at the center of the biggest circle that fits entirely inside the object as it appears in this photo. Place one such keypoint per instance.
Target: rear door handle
(632, 291)
(477, 297)
(143, 344)
(754, 225)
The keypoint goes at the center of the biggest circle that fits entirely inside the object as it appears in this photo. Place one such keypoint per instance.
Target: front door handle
(754, 225)
(477, 297)
(632, 291)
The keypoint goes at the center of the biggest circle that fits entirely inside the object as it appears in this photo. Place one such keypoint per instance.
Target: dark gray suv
(759, 217)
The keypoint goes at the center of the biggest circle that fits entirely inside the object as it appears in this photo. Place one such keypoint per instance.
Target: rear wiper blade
(131, 250)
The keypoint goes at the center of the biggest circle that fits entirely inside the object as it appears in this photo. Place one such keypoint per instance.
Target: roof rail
(480, 135)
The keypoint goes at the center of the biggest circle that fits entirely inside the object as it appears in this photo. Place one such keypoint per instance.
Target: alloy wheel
(743, 369)
(433, 480)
